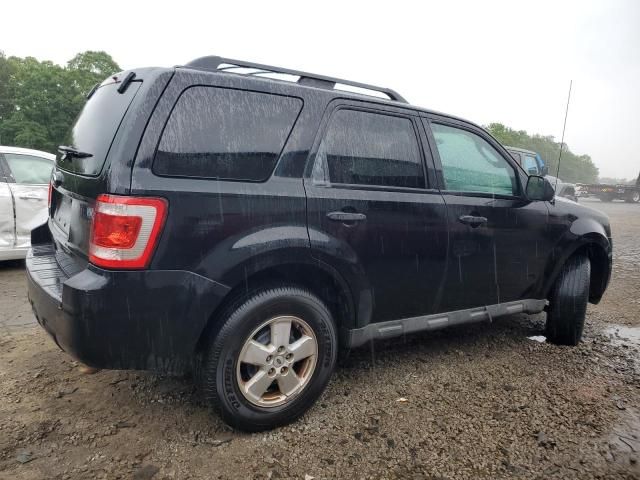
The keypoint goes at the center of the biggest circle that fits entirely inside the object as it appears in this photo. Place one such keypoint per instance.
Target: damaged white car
(24, 185)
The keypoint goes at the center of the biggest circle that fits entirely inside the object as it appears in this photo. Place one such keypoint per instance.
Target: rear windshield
(95, 128)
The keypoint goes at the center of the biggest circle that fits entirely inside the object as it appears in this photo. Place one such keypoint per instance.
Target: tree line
(40, 100)
(573, 168)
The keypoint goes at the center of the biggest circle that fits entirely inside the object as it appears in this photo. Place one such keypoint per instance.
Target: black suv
(251, 222)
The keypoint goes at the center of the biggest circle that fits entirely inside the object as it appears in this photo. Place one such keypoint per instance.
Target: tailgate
(80, 172)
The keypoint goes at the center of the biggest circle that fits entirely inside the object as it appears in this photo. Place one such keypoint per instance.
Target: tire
(568, 302)
(226, 379)
(633, 197)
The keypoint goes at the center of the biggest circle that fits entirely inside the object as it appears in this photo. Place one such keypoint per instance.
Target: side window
(530, 165)
(28, 169)
(516, 156)
(471, 164)
(225, 134)
(365, 148)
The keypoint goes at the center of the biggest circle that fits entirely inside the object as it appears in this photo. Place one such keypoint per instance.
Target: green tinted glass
(470, 164)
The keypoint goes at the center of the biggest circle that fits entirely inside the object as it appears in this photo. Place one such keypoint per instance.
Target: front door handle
(345, 217)
(472, 220)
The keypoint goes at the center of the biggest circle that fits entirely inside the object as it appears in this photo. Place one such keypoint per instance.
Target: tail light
(125, 230)
(49, 195)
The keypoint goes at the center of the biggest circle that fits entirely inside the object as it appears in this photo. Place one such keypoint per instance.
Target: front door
(29, 184)
(371, 215)
(7, 221)
(498, 238)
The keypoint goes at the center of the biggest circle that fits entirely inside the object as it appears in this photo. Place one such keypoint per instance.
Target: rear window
(225, 134)
(95, 128)
(366, 148)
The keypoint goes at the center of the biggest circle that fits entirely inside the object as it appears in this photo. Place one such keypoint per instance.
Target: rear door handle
(29, 197)
(346, 217)
(472, 220)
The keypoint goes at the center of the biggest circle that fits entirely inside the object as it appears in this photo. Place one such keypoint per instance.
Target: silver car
(24, 186)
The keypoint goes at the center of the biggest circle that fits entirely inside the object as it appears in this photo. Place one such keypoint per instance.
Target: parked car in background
(250, 228)
(609, 192)
(24, 183)
(582, 190)
(530, 161)
(533, 164)
(563, 189)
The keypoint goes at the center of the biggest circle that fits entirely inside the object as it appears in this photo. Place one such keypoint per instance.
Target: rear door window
(29, 169)
(96, 126)
(367, 148)
(225, 134)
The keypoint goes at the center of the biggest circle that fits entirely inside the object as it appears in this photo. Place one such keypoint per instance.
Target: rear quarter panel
(228, 230)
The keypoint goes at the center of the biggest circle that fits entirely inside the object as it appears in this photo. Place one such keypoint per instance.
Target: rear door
(29, 185)
(371, 214)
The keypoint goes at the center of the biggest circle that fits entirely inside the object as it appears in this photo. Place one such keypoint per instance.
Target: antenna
(564, 127)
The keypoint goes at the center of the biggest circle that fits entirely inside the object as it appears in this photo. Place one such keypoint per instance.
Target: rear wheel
(568, 302)
(271, 359)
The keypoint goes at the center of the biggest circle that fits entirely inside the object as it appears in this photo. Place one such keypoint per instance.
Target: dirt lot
(467, 403)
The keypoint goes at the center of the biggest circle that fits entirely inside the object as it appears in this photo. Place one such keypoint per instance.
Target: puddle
(538, 338)
(621, 335)
(624, 441)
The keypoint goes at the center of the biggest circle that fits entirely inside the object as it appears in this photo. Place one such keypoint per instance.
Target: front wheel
(271, 359)
(568, 302)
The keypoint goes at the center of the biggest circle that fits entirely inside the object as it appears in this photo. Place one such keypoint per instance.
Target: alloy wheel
(277, 361)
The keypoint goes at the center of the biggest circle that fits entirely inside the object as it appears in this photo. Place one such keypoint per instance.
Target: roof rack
(216, 63)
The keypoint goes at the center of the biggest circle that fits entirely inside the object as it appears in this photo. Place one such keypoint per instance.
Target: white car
(24, 185)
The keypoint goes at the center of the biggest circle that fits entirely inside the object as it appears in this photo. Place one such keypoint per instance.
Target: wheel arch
(598, 249)
(317, 277)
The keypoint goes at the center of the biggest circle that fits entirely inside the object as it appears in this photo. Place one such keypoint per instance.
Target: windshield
(530, 165)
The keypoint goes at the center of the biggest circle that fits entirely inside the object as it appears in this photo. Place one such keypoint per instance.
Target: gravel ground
(466, 403)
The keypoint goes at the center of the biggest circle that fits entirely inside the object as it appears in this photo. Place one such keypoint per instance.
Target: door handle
(472, 220)
(346, 217)
(29, 197)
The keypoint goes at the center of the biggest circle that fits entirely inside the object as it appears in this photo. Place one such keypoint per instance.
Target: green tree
(6, 87)
(573, 168)
(90, 67)
(40, 100)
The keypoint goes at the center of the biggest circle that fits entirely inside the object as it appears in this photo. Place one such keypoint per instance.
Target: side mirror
(545, 170)
(539, 188)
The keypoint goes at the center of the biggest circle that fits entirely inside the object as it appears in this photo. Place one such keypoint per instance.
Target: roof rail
(216, 63)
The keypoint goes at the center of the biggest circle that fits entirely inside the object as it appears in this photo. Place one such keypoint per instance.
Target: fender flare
(583, 233)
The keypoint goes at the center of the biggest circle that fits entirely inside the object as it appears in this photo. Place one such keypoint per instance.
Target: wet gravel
(473, 402)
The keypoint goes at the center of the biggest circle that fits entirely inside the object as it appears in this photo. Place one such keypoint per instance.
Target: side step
(396, 328)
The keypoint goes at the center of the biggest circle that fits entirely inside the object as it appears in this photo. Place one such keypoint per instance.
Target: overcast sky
(488, 61)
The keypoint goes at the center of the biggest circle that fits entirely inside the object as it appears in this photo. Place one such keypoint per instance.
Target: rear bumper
(149, 320)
